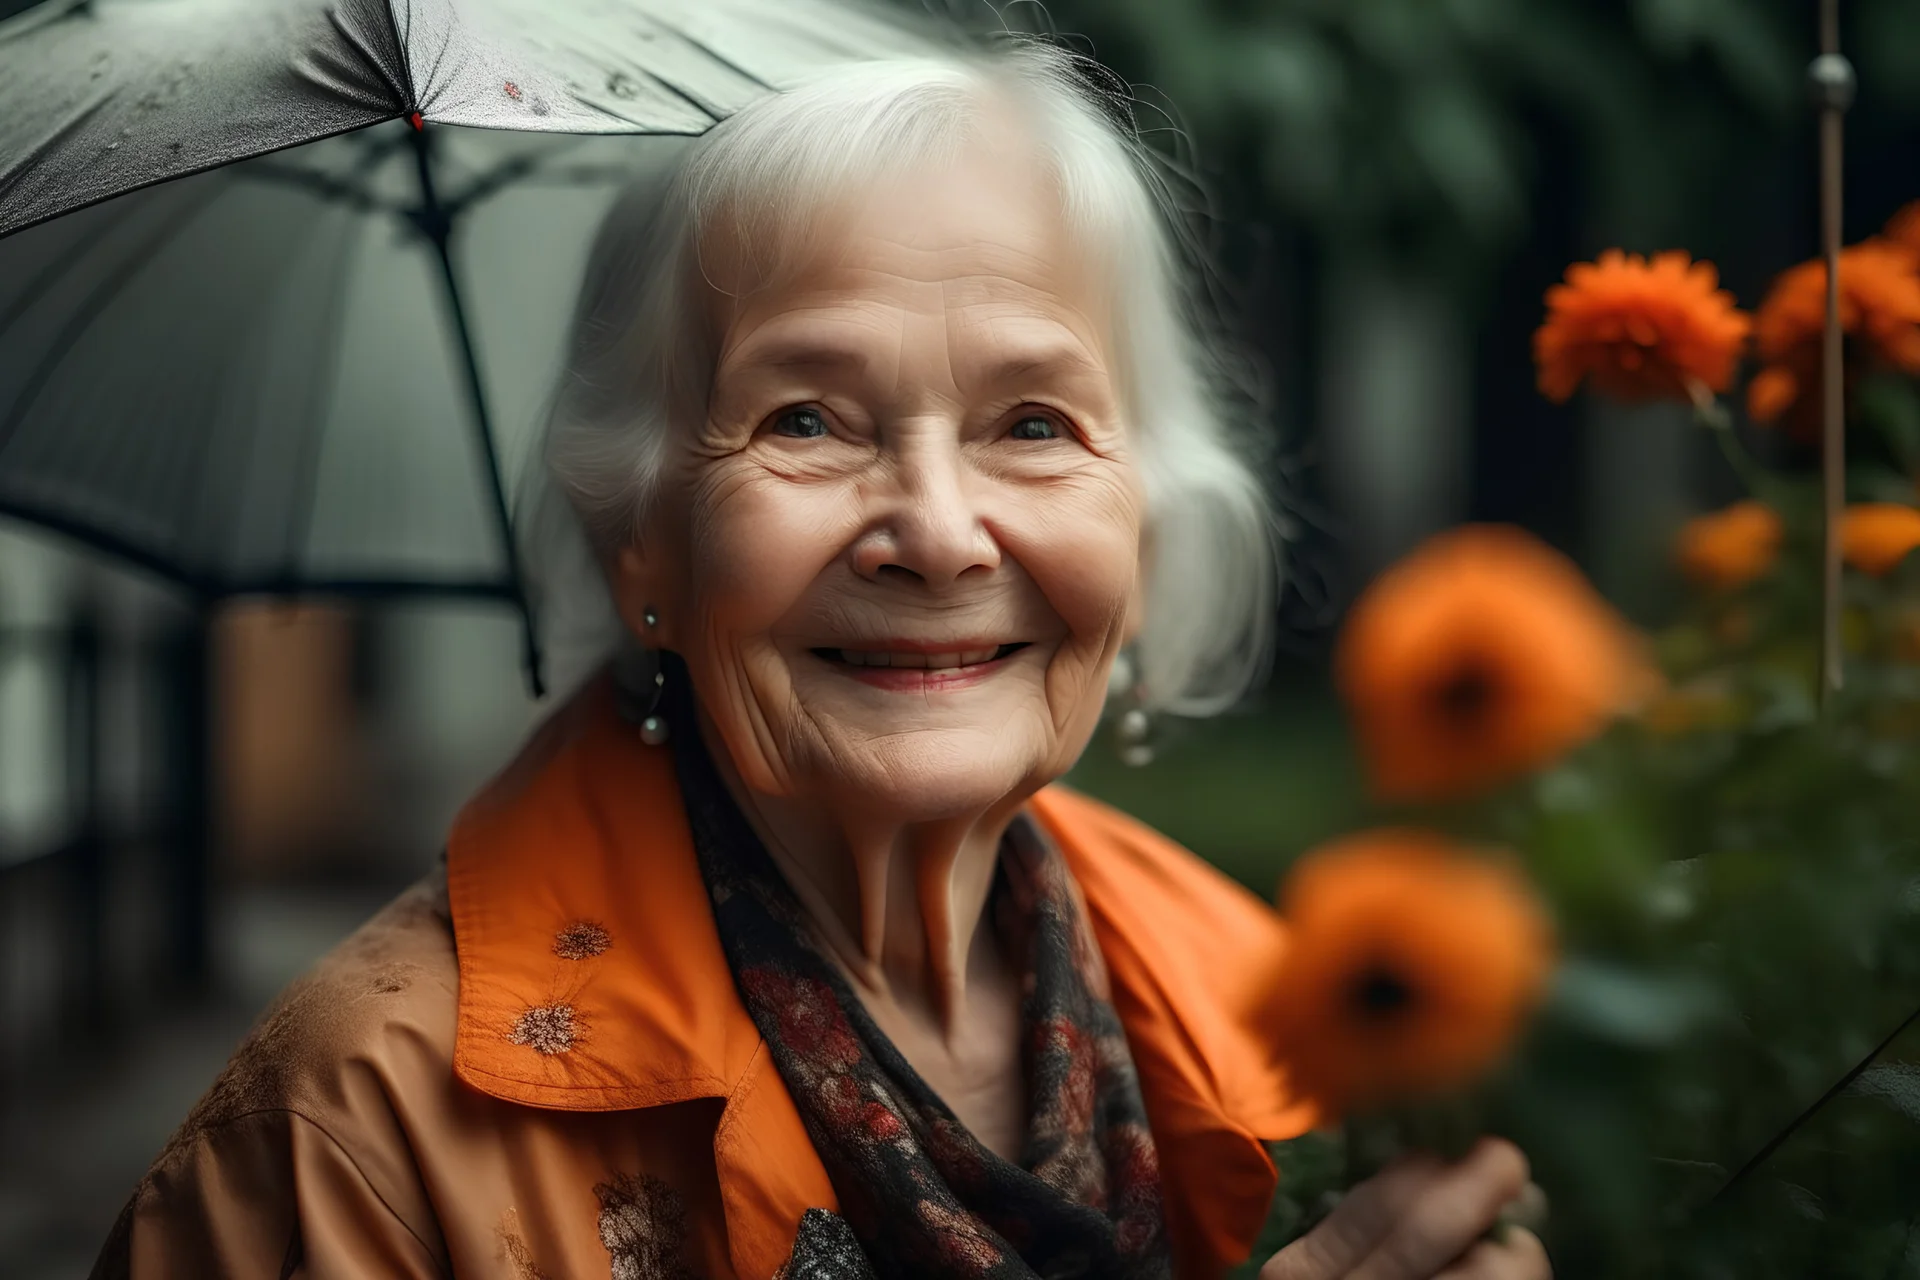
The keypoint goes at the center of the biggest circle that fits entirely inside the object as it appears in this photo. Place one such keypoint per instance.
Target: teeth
(923, 661)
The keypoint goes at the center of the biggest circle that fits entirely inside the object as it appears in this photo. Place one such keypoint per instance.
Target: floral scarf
(922, 1196)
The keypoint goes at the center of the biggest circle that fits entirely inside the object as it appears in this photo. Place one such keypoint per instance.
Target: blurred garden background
(194, 805)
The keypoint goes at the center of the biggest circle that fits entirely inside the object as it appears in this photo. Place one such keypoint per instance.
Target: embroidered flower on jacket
(581, 940)
(546, 1028)
(643, 1224)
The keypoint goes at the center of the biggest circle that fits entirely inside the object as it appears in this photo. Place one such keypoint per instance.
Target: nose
(930, 529)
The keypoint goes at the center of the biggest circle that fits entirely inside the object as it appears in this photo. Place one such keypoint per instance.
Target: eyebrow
(801, 353)
(1064, 359)
(1047, 359)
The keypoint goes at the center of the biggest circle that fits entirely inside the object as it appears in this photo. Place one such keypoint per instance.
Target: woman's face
(904, 546)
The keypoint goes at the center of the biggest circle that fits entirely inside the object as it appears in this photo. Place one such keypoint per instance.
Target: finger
(1521, 1257)
(1454, 1211)
(1528, 1210)
(1357, 1225)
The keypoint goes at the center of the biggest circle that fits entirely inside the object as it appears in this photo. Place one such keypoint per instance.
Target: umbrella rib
(52, 272)
(208, 588)
(401, 48)
(502, 175)
(439, 55)
(96, 303)
(400, 92)
(436, 226)
(709, 109)
(720, 58)
(318, 184)
(372, 154)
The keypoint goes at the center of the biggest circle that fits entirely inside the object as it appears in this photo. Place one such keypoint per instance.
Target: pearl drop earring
(639, 686)
(1134, 730)
(653, 728)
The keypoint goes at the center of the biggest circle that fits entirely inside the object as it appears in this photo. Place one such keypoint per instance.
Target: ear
(641, 586)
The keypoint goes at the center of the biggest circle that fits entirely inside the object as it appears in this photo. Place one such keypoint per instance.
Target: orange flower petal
(1639, 329)
(1879, 312)
(1771, 393)
(1876, 536)
(1903, 228)
(1732, 547)
(1482, 656)
(1410, 967)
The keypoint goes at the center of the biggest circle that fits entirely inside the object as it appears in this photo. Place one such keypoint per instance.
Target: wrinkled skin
(915, 442)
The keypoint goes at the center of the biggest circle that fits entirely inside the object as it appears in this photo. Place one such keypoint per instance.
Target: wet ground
(75, 1137)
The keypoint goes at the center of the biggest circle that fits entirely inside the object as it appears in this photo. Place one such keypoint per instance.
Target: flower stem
(1711, 414)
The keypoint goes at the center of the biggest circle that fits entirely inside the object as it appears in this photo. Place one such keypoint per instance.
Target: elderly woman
(776, 953)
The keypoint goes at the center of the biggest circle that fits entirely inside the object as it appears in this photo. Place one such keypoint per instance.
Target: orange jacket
(586, 1095)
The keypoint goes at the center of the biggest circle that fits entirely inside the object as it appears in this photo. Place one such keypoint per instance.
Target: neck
(899, 904)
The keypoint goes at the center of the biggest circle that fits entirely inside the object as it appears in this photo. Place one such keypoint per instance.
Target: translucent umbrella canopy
(247, 380)
(283, 282)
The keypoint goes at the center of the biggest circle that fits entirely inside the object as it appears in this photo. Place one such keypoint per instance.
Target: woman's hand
(1420, 1219)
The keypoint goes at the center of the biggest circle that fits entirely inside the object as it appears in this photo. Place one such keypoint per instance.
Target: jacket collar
(592, 979)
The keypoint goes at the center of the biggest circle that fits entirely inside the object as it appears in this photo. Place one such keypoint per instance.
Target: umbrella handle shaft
(436, 224)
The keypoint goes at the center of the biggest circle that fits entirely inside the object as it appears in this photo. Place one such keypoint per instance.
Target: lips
(919, 660)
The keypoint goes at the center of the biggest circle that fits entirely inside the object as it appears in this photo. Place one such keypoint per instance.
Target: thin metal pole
(435, 222)
(1831, 79)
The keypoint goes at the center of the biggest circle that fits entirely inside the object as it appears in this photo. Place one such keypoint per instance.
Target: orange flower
(1732, 547)
(1409, 968)
(1879, 312)
(1876, 536)
(1481, 656)
(1639, 329)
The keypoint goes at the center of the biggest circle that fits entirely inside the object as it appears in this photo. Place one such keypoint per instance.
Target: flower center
(1378, 993)
(1466, 694)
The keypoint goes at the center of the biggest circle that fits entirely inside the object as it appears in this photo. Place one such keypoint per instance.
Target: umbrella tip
(414, 119)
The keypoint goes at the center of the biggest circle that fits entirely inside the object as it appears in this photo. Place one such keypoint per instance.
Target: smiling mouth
(916, 661)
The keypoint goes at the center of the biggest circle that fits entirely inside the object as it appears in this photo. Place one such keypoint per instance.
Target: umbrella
(246, 336)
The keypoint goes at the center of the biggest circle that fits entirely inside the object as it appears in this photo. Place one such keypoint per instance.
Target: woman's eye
(801, 424)
(1035, 428)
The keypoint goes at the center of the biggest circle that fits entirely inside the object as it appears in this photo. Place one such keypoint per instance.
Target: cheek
(1081, 546)
(755, 546)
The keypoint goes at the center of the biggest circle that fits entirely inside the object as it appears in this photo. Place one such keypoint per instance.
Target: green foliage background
(1739, 893)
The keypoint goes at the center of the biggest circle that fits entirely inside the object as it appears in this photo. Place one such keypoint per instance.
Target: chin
(928, 774)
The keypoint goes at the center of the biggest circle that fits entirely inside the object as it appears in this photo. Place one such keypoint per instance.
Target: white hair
(641, 352)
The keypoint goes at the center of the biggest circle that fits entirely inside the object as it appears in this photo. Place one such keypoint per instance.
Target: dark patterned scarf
(923, 1197)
